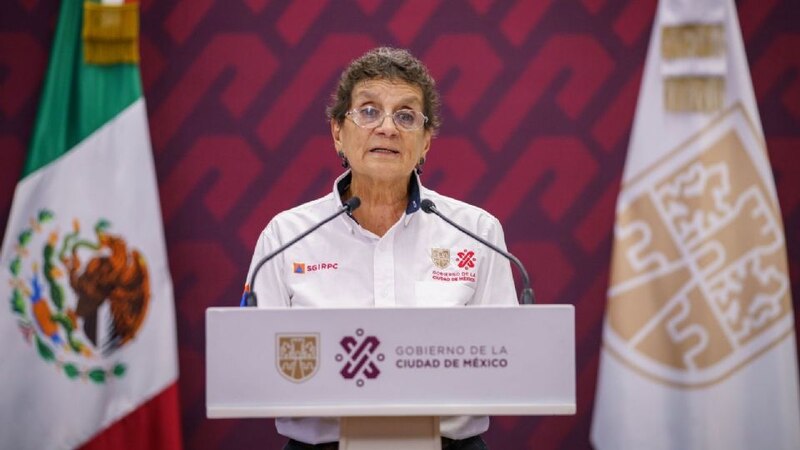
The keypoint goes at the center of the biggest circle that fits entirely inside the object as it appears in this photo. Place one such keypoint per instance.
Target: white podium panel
(390, 361)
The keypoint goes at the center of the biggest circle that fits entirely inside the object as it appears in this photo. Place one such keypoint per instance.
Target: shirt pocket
(437, 294)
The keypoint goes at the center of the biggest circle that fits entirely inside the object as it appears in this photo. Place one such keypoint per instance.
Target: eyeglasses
(372, 117)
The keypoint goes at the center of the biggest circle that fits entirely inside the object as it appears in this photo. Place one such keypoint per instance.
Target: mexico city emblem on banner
(699, 284)
(78, 295)
(297, 356)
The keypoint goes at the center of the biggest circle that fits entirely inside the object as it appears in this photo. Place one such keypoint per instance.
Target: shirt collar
(413, 194)
(339, 188)
(341, 185)
(413, 197)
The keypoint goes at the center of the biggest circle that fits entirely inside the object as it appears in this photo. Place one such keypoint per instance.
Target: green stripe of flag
(77, 98)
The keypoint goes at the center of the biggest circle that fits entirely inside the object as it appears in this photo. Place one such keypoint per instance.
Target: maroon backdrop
(538, 103)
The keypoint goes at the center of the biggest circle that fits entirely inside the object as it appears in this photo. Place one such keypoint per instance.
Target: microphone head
(352, 204)
(427, 205)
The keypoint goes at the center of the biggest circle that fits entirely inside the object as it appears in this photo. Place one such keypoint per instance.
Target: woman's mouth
(386, 151)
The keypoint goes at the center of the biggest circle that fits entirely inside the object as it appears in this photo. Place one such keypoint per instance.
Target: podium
(389, 373)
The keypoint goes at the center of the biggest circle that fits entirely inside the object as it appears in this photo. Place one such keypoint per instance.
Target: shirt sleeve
(495, 285)
(270, 283)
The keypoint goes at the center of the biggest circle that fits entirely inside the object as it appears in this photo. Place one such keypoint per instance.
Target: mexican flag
(699, 340)
(88, 327)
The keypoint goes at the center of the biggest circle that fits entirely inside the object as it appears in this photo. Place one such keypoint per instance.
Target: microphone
(526, 296)
(249, 297)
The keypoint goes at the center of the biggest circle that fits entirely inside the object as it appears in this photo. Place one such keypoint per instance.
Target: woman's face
(386, 152)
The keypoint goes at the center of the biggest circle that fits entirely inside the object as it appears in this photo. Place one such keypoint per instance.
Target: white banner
(699, 341)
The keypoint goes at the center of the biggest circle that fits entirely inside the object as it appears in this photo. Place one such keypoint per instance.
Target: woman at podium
(387, 252)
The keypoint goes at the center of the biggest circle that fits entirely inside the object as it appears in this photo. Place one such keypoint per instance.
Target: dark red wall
(538, 102)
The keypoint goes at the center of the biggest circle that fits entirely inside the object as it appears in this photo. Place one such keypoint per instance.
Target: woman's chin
(386, 170)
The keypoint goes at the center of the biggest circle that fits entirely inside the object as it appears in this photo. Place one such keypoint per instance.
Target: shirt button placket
(384, 271)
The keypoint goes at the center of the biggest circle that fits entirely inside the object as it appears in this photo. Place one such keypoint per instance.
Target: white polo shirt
(420, 261)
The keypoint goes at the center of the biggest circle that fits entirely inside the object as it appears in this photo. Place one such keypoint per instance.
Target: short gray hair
(386, 63)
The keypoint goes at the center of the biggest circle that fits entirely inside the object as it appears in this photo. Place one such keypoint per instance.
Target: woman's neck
(382, 203)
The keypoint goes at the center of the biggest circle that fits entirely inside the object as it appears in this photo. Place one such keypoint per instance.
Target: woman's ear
(336, 130)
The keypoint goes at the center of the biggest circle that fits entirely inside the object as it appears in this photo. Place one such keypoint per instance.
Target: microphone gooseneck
(526, 296)
(250, 296)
